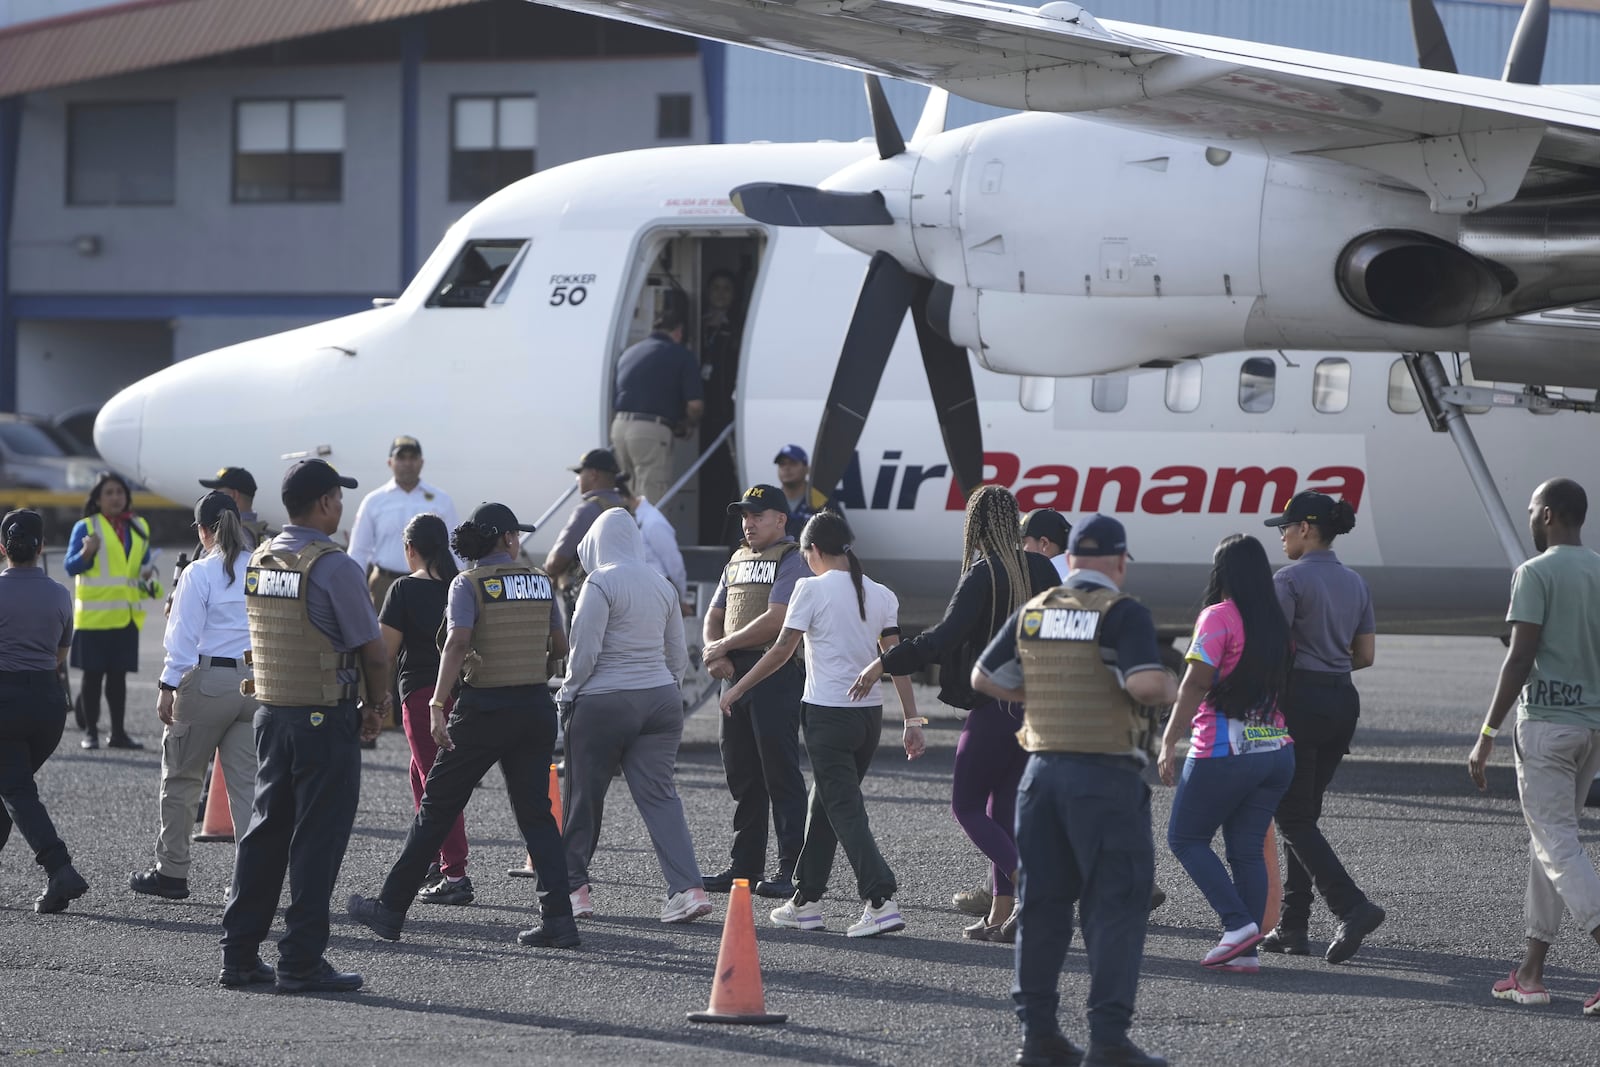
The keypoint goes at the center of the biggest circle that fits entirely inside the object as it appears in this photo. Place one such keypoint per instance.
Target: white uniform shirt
(661, 546)
(379, 532)
(208, 616)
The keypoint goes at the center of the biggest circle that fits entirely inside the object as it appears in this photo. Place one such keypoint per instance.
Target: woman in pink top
(1240, 762)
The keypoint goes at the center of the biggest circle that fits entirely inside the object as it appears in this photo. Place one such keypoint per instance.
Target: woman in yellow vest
(109, 556)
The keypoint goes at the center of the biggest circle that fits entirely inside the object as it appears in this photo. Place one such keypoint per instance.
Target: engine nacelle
(1417, 279)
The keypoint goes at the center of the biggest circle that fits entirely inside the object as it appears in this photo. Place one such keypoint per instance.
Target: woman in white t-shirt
(846, 618)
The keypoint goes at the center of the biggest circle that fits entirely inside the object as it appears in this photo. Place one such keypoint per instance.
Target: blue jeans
(1083, 837)
(1239, 795)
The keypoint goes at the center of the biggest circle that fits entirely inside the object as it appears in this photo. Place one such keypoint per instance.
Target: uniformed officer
(597, 472)
(658, 396)
(803, 498)
(1083, 656)
(311, 627)
(377, 538)
(503, 636)
(760, 734)
(240, 485)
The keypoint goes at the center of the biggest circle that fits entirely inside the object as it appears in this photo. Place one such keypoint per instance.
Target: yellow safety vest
(107, 595)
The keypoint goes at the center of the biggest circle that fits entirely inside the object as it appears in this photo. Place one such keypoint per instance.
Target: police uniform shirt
(582, 517)
(379, 533)
(1127, 639)
(791, 569)
(1327, 604)
(657, 377)
(35, 619)
(208, 616)
(337, 598)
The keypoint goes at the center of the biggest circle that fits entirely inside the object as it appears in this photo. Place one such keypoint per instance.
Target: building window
(121, 153)
(1109, 393)
(1258, 381)
(1330, 386)
(1183, 386)
(674, 116)
(288, 150)
(492, 141)
(1403, 398)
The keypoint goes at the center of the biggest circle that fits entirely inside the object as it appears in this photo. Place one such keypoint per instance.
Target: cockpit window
(483, 270)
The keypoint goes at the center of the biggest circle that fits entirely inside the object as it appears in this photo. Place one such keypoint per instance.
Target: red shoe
(1508, 989)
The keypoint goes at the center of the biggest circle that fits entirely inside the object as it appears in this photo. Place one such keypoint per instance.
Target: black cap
(495, 519)
(236, 478)
(759, 498)
(597, 459)
(404, 443)
(310, 478)
(1098, 535)
(1304, 507)
(209, 508)
(1047, 522)
(25, 521)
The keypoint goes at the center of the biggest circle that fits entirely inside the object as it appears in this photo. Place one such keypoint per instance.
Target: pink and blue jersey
(1218, 643)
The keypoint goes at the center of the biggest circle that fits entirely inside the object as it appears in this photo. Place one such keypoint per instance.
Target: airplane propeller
(1524, 62)
(887, 293)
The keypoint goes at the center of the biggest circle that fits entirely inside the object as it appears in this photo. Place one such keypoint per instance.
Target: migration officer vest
(1074, 703)
(295, 663)
(511, 639)
(749, 579)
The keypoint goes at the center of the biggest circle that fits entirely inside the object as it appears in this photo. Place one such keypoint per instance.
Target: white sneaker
(797, 916)
(686, 907)
(581, 908)
(875, 921)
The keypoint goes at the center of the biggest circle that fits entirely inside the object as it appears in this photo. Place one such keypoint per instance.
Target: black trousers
(1320, 710)
(516, 728)
(307, 789)
(32, 717)
(760, 742)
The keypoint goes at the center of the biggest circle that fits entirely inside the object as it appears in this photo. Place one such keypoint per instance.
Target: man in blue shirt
(658, 396)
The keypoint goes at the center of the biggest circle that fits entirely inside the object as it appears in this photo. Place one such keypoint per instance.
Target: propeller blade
(1525, 61)
(884, 128)
(880, 309)
(802, 205)
(1433, 47)
(955, 399)
(935, 111)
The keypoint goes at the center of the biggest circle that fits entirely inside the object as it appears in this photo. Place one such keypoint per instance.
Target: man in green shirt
(1554, 664)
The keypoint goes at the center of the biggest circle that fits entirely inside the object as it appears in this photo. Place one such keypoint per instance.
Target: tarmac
(121, 978)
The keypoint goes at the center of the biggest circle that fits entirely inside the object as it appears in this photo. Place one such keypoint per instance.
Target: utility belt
(644, 416)
(343, 661)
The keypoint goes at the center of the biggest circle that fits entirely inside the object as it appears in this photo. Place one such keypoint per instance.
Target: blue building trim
(102, 306)
(10, 138)
(714, 71)
(413, 45)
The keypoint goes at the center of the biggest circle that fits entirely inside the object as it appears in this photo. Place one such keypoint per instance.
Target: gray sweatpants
(639, 729)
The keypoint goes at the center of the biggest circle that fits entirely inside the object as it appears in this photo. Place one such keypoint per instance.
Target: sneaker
(123, 741)
(1509, 989)
(448, 891)
(556, 931)
(686, 907)
(974, 901)
(153, 883)
(1234, 943)
(375, 916)
(807, 916)
(1361, 922)
(91, 739)
(1592, 1005)
(883, 919)
(581, 907)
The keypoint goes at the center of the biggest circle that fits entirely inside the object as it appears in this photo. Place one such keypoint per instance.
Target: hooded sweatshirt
(627, 629)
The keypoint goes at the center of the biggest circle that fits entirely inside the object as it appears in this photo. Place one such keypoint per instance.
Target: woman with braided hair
(997, 578)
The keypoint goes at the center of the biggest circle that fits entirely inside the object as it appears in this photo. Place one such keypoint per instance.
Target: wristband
(1488, 731)
(439, 704)
(918, 721)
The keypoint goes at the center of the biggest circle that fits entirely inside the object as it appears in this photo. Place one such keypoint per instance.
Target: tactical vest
(1074, 703)
(256, 532)
(749, 579)
(107, 595)
(511, 639)
(295, 663)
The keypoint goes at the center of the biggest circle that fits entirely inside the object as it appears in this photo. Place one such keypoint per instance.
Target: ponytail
(829, 534)
(230, 538)
(855, 577)
(430, 539)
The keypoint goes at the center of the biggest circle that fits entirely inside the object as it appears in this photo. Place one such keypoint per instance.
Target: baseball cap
(794, 452)
(1098, 535)
(209, 508)
(496, 519)
(760, 498)
(405, 443)
(597, 459)
(311, 478)
(236, 478)
(1047, 522)
(25, 521)
(1304, 507)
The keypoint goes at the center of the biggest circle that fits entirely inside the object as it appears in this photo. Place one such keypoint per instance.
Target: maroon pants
(453, 853)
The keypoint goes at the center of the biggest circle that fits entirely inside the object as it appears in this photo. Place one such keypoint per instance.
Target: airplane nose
(119, 429)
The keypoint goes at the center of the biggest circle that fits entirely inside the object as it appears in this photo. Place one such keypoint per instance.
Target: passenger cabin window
(1183, 386)
(1109, 393)
(1403, 398)
(121, 153)
(1330, 386)
(288, 150)
(482, 274)
(492, 142)
(1258, 381)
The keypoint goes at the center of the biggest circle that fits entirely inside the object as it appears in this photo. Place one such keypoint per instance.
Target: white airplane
(1080, 248)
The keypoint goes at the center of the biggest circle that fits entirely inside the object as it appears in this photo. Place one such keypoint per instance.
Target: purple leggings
(983, 790)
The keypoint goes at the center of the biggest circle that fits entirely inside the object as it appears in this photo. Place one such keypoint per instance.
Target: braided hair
(991, 531)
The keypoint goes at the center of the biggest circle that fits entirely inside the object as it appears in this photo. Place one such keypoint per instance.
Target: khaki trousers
(209, 716)
(644, 452)
(1555, 764)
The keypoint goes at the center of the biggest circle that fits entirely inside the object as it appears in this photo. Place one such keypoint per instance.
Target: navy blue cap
(25, 521)
(310, 478)
(1098, 535)
(794, 452)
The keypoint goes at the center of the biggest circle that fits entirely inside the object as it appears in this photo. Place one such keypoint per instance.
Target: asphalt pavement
(121, 978)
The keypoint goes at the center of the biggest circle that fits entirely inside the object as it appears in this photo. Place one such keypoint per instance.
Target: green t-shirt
(1560, 591)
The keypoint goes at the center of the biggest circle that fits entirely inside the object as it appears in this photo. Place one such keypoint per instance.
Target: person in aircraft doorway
(658, 396)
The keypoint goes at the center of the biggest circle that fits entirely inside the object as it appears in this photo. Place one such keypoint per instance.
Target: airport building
(177, 175)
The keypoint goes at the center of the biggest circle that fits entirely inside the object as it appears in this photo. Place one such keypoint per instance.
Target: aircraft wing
(1470, 143)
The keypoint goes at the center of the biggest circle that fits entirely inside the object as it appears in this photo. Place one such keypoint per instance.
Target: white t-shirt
(839, 643)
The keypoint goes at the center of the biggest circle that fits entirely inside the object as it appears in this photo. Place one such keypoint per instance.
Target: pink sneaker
(1508, 989)
(1592, 1005)
(581, 908)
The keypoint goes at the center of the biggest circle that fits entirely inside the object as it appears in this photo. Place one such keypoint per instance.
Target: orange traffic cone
(555, 809)
(1274, 881)
(218, 825)
(736, 993)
